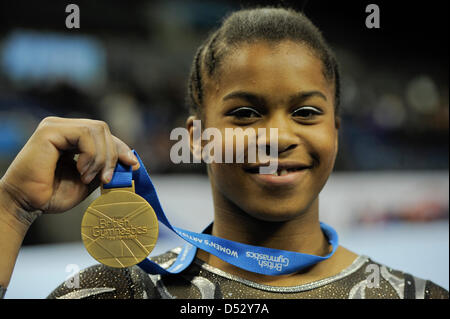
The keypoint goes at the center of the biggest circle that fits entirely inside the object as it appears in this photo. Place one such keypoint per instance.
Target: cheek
(325, 147)
(226, 179)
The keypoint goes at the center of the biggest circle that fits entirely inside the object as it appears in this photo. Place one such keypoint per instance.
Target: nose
(287, 139)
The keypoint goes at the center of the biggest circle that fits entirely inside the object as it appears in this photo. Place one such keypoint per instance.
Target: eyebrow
(260, 100)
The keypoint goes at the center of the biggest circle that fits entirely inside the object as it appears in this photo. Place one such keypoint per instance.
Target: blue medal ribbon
(262, 260)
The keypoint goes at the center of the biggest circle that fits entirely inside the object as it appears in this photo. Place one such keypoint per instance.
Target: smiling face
(262, 85)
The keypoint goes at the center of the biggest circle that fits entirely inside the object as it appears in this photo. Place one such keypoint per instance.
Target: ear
(337, 124)
(196, 150)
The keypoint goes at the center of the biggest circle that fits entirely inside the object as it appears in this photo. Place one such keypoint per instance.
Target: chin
(275, 212)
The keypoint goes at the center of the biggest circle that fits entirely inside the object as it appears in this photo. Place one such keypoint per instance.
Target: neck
(302, 234)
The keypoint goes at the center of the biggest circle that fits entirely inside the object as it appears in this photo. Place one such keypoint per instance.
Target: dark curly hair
(249, 25)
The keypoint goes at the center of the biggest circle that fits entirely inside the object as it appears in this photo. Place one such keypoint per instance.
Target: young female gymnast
(263, 68)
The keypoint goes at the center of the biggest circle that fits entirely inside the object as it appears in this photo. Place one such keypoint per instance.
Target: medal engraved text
(117, 229)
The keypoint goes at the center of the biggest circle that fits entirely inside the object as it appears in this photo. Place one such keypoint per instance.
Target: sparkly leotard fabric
(201, 280)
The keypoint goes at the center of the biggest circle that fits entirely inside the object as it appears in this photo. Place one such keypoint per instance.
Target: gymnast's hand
(45, 176)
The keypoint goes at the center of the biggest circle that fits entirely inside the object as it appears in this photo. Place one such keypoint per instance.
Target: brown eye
(244, 113)
(306, 112)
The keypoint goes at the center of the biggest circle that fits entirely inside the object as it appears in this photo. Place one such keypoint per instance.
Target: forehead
(275, 70)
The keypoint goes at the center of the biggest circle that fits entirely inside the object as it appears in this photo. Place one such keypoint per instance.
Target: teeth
(283, 172)
(280, 173)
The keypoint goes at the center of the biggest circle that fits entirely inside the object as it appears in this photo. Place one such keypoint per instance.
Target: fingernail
(108, 176)
(84, 169)
(132, 157)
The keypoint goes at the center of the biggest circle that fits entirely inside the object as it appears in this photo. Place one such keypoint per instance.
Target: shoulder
(392, 283)
(423, 289)
(103, 282)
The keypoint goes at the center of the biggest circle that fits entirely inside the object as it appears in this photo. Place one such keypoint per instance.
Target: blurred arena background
(128, 65)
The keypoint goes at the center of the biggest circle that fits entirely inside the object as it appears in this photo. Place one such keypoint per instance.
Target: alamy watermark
(73, 18)
(236, 146)
(373, 279)
(373, 19)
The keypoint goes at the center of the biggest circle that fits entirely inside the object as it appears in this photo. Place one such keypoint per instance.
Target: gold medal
(120, 228)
